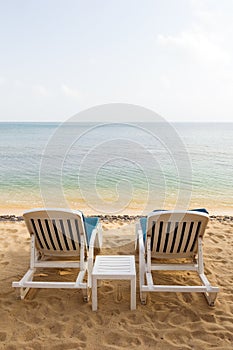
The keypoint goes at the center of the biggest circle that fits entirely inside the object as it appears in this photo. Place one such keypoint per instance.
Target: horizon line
(113, 122)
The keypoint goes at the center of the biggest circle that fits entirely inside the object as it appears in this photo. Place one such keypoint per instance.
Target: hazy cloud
(70, 92)
(2, 81)
(35, 89)
(42, 90)
(198, 44)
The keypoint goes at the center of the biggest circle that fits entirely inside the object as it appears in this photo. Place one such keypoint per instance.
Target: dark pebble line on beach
(116, 218)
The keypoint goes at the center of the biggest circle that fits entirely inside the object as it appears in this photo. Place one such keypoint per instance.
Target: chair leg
(86, 294)
(136, 243)
(94, 293)
(28, 277)
(142, 282)
(210, 297)
(142, 271)
(24, 292)
(143, 298)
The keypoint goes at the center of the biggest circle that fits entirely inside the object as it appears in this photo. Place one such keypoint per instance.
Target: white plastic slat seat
(172, 235)
(56, 235)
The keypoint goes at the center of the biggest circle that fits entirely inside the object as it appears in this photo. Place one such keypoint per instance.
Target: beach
(120, 110)
(60, 319)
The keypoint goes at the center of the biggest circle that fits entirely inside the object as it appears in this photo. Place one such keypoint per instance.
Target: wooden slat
(170, 237)
(77, 230)
(182, 238)
(194, 243)
(35, 230)
(49, 229)
(57, 233)
(178, 237)
(53, 229)
(192, 239)
(158, 236)
(174, 237)
(45, 235)
(42, 233)
(74, 235)
(166, 236)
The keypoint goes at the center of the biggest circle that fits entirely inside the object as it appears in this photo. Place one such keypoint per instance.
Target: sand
(59, 319)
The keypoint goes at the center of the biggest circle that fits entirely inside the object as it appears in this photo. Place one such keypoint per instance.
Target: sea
(116, 168)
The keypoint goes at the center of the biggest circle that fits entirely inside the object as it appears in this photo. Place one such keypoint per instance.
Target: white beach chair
(172, 235)
(60, 238)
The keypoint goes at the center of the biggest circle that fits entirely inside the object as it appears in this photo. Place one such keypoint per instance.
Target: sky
(60, 57)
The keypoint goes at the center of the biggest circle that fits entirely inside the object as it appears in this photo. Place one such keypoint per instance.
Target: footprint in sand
(215, 241)
(228, 231)
(221, 237)
(208, 318)
(106, 289)
(10, 230)
(187, 298)
(3, 336)
(125, 340)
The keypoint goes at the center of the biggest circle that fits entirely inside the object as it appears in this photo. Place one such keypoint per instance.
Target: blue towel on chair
(90, 224)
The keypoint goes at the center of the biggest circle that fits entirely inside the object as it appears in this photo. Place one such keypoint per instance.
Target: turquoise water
(116, 168)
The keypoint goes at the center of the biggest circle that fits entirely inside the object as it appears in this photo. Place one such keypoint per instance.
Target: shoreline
(114, 218)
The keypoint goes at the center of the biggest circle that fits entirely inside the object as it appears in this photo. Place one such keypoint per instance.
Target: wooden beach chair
(61, 239)
(172, 235)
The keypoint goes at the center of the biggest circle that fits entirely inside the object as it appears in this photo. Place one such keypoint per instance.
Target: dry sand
(59, 319)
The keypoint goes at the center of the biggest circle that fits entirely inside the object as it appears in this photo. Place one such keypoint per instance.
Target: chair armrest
(137, 228)
(90, 257)
(148, 253)
(141, 245)
(92, 244)
(142, 260)
(99, 242)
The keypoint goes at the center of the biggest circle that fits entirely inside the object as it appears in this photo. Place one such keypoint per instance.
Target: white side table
(114, 267)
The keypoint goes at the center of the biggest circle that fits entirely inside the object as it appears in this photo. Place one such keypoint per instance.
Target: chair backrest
(174, 234)
(56, 230)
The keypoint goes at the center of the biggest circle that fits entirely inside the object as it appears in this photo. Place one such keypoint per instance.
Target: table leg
(133, 293)
(94, 294)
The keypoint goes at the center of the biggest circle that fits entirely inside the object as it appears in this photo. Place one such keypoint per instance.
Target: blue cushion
(143, 221)
(201, 210)
(90, 224)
